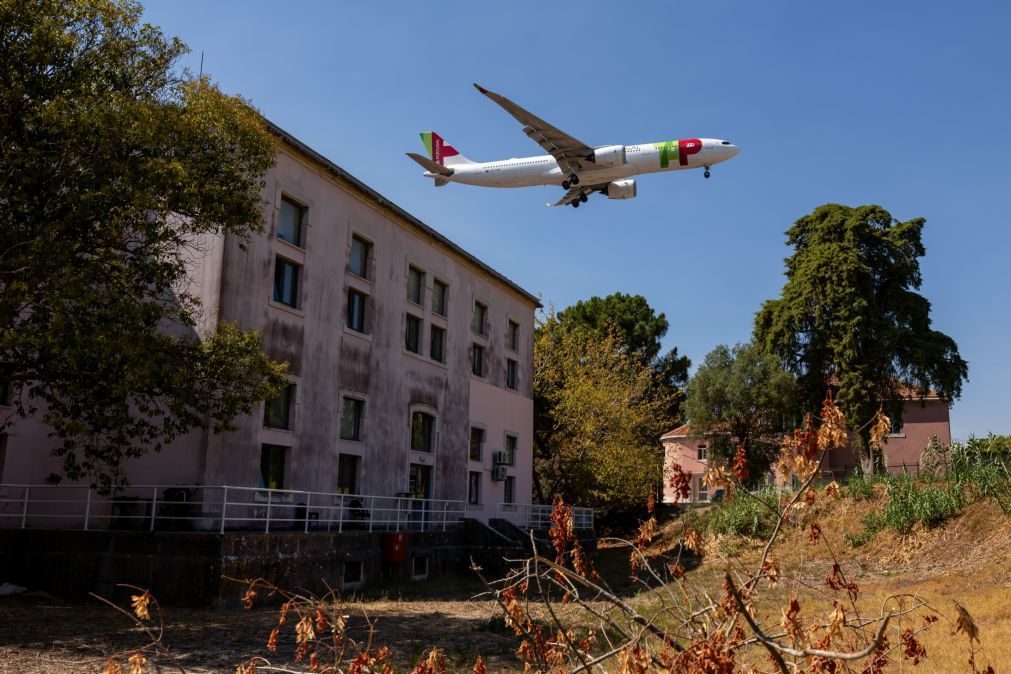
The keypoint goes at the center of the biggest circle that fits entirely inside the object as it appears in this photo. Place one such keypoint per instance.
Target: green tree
(640, 330)
(117, 168)
(849, 310)
(742, 396)
(596, 413)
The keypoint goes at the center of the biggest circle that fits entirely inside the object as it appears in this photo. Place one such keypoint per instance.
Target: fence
(538, 517)
(218, 508)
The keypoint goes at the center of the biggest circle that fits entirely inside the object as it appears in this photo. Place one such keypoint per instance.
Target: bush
(860, 487)
(912, 500)
(746, 514)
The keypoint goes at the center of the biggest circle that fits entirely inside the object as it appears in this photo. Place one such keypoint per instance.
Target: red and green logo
(437, 148)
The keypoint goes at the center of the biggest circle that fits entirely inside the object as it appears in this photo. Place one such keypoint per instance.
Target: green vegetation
(745, 397)
(746, 514)
(849, 310)
(117, 168)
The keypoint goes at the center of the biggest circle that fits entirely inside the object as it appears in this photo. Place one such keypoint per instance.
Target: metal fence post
(372, 507)
(87, 509)
(154, 505)
(266, 525)
(308, 501)
(224, 504)
(340, 516)
(24, 508)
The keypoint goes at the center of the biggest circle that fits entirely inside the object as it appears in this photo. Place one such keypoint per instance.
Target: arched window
(422, 431)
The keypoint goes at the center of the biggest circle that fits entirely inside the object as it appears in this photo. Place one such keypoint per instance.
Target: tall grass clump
(746, 514)
(981, 465)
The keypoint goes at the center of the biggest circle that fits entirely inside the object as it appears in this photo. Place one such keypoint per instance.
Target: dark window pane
(347, 474)
(511, 374)
(513, 336)
(474, 488)
(291, 221)
(272, 467)
(476, 443)
(413, 334)
(277, 411)
(286, 279)
(422, 432)
(356, 311)
(437, 345)
(415, 285)
(510, 490)
(359, 262)
(351, 419)
(440, 292)
(477, 360)
(478, 320)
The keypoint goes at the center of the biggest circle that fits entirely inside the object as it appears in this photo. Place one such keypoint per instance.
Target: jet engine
(608, 156)
(620, 189)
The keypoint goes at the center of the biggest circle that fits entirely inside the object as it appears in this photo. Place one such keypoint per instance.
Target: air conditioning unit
(498, 473)
(502, 458)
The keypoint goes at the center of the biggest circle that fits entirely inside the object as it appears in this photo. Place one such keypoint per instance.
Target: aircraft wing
(570, 153)
(574, 192)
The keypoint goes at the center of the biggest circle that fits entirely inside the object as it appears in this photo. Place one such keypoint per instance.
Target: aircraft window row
(726, 142)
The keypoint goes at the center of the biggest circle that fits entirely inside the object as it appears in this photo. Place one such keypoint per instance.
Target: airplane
(580, 169)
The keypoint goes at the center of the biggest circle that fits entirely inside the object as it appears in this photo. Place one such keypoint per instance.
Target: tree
(640, 330)
(116, 168)
(596, 412)
(742, 397)
(849, 311)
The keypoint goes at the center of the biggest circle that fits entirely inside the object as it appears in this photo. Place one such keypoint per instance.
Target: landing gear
(706, 174)
(575, 203)
(574, 179)
(565, 184)
(582, 197)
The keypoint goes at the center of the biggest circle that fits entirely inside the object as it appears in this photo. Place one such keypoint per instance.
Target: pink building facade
(409, 360)
(921, 420)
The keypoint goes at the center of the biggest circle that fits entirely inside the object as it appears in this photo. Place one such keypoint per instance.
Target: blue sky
(902, 104)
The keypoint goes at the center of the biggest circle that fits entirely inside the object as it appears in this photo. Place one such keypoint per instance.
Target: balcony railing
(536, 517)
(219, 509)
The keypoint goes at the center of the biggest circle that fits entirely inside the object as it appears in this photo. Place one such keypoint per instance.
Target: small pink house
(921, 419)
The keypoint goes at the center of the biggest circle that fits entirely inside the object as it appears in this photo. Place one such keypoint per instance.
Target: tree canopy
(596, 419)
(850, 311)
(742, 396)
(117, 166)
(639, 329)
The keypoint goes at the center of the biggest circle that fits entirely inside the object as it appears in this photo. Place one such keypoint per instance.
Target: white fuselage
(639, 159)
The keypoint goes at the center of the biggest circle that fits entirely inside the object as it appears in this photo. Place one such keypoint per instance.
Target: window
(513, 336)
(422, 432)
(437, 344)
(347, 474)
(351, 419)
(358, 264)
(277, 411)
(356, 310)
(474, 487)
(291, 224)
(701, 453)
(416, 285)
(353, 572)
(509, 491)
(478, 320)
(272, 466)
(286, 278)
(477, 360)
(440, 294)
(511, 442)
(476, 443)
(511, 366)
(413, 334)
(701, 490)
(896, 426)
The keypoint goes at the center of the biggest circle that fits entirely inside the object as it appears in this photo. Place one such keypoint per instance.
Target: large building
(409, 360)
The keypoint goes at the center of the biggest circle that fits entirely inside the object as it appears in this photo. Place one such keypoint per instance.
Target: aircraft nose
(732, 150)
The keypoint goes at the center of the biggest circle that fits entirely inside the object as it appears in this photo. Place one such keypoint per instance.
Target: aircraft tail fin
(441, 152)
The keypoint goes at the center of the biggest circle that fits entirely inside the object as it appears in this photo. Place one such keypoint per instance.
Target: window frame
(474, 487)
(433, 330)
(432, 440)
(288, 395)
(411, 269)
(509, 490)
(302, 210)
(437, 282)
(279, 262)
(419, 323)
(483, 331)
(270, 461)
(480, 448)
(359, 420)
(513, 336)
(350, 323)
(477, 367)
(365, 262)
(512, 374)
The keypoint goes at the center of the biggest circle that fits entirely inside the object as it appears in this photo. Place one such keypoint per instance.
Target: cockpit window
(726, 142)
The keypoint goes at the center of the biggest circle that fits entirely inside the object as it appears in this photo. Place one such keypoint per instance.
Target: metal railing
(219, 509)
(538, 517)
